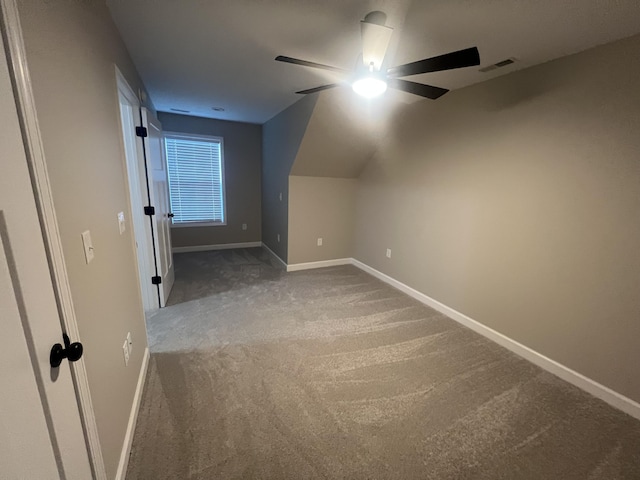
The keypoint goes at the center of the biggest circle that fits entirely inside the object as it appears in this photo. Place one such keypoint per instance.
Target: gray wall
(71, 51)
(341, 136)
(325, 208)
(518, 206)
(242, 163)
(281, 140)
(339, 140)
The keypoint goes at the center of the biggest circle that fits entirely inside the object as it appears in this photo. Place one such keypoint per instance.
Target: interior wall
(242, 164)
(281, 138)
(515, 202)
(321, 208)
(341, 136)
(71, 51)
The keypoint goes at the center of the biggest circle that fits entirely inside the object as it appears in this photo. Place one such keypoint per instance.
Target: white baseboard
(221, 246)
(133, 416)
(596, 389)
(320, 264)
(275, 256)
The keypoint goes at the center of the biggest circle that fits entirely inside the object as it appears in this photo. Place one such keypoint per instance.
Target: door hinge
(157, 280)
(141, 132)
(149, 211)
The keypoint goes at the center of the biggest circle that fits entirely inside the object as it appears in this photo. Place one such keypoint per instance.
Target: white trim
(44, 200)
(220, 246)
(198, 224)
(194, 136)
(133, 417)
(275, 256)
(596, 389)
(133, 162)
(294, 267)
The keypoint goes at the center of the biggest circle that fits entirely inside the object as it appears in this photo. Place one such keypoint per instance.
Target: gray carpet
(256, 373)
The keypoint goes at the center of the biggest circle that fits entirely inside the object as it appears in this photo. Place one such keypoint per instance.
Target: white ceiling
(197, 54)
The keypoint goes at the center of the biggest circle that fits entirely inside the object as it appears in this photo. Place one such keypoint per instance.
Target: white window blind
(196, 179)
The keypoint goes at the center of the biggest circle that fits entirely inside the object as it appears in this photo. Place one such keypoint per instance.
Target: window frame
(209, 138)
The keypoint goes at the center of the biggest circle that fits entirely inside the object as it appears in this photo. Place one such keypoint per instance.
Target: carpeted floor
(329, 373)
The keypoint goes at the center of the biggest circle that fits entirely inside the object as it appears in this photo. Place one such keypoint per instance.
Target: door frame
(25, 102)
(138, 197)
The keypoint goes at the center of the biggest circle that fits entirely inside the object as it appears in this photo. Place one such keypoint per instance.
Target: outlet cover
(319, 241)
(125, 352)
(278, 238)
(121, 224)
(244, 226)
(88, 246)
(388, 253)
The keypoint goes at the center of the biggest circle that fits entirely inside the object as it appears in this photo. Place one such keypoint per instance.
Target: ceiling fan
(369, 79)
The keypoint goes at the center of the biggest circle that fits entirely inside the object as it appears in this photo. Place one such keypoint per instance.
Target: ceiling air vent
(502, 63)
(179, 110)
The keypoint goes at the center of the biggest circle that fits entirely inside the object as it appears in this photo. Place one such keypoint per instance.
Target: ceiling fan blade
(318, 89)
(462, 58)
(305, 63)
(421, 89)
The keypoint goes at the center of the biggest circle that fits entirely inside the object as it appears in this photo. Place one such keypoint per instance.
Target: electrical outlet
(388, 253)
(125, 352)
(278, 238)
(244, 226)
(280, 196)
(319, 241)
(129, 342)
(121, 224)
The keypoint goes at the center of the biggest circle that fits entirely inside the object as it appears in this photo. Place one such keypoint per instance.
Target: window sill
(198, 224)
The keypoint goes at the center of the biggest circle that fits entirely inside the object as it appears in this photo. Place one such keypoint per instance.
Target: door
(134, 155)
(41, 433)
(158, 188)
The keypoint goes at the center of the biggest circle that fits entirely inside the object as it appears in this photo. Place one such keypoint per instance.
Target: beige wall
(341, 136)
(321, 208)
(281, 141)
(242, 162)
(71, 51)
(516, 203)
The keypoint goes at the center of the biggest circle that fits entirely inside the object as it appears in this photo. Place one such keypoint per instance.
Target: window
(196, 179)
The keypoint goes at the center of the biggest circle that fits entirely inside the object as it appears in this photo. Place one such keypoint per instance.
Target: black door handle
(71, 351)
(170, 215)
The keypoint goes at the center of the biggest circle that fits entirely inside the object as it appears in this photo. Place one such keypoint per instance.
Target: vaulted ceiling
(197, 55)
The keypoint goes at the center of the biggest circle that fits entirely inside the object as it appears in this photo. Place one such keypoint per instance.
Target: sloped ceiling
(342, 135)
(194, 55)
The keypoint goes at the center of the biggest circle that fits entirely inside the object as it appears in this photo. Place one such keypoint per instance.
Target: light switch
(125, 352)
(88, 246)
(121, 224)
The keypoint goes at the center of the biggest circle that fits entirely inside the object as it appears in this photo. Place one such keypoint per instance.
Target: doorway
(142, 229)
(149, 195)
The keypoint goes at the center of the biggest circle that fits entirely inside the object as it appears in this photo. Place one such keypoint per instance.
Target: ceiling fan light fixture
(369, 87)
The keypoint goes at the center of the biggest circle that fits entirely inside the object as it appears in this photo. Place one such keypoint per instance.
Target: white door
(134, 154)
(158, 186)
(41, 433)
